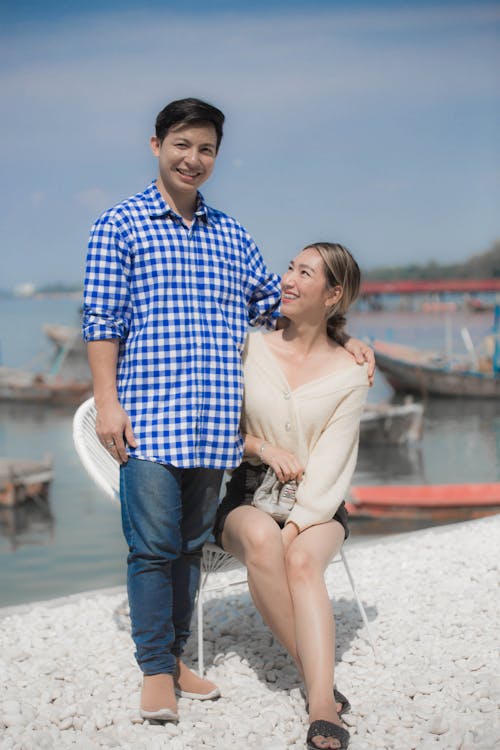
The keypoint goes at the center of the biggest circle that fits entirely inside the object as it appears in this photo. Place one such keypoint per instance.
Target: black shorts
(240, 490)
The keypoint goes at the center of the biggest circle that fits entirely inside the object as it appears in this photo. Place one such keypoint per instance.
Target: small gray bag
(274, 497)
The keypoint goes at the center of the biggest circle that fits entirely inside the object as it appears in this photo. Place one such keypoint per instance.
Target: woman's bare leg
(255, 538)
(306, 560)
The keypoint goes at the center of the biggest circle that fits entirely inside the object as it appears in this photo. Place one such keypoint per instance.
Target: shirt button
(286, 394)
(288, 427)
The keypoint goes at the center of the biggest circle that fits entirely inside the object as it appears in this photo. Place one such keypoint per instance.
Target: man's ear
(154, 142)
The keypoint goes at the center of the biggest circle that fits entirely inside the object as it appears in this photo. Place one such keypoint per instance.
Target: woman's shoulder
(345, 372)
(257, 339)
(342, 361)
(253, 344)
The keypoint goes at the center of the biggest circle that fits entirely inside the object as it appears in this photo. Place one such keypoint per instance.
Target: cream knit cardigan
(318, 422)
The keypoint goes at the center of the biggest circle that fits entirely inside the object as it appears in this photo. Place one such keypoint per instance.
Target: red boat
(421, 502)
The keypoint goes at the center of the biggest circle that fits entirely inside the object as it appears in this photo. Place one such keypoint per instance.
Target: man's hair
(187, 111)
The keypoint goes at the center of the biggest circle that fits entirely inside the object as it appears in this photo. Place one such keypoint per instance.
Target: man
(171, 286)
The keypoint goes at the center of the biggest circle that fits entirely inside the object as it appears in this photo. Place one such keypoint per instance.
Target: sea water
(75, 542)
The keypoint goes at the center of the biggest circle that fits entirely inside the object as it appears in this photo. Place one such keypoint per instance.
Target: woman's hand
(362, 353)
(286, 466)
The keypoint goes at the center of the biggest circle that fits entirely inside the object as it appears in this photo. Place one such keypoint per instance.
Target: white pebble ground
(69, 678)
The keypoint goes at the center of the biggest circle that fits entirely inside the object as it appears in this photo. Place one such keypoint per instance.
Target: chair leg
(358, 601)
(199, 614)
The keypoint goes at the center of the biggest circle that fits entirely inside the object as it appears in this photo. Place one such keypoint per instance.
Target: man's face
(186, 158)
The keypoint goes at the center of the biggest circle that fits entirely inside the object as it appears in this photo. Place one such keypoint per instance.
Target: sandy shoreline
(432, 600)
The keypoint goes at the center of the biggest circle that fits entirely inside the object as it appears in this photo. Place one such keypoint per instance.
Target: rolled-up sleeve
(331, 464)
(263, 291)
(106, 297)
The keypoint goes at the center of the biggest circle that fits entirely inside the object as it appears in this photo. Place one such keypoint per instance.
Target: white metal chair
(104, 470)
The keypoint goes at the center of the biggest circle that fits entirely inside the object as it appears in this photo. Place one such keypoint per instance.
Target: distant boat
(437, 502)
(439, 307)
(427, 373)
(395, 424)
(21, 479)
(64, 336)
(478, 305)
(62, 385)
(22, 386)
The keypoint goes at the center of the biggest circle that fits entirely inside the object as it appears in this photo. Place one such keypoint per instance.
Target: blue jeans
(167, 515)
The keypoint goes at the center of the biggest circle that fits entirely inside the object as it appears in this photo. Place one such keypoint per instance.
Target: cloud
(95, 198)
(343, 122)
(38, 198)
(124, 59)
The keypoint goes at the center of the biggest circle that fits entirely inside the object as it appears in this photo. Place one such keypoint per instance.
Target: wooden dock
(21, 479)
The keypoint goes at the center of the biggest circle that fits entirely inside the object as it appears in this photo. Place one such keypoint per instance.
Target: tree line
(484, 265)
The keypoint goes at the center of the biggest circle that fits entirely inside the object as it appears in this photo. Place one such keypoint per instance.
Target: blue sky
(374, 124)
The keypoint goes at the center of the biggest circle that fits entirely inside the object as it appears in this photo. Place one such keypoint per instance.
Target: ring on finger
(110, 445)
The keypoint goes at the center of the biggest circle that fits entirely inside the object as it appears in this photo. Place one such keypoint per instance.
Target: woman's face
(304, 290)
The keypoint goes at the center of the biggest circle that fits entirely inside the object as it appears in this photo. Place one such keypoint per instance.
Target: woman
(304, 395)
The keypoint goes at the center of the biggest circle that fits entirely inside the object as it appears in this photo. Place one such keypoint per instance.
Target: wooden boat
(395, 424)
(22, 386)
(425, 502)
(23, 479)
(64, 337)
(67, 383)
(427, 373)
(438, 307)
(475, 304)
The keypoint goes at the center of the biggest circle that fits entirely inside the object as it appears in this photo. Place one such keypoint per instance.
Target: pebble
(70, 679)
(438, 725)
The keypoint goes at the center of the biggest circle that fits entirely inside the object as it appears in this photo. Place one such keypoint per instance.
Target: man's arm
(113, 423)
(263, 288)
(105, 322)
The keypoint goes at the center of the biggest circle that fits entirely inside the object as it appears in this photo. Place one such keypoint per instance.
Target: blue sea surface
(75, 543)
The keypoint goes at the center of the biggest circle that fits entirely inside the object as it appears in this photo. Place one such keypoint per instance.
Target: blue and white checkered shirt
(180, 301)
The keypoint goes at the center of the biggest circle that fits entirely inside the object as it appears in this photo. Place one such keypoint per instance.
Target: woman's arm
(285, 464)
(330, 465)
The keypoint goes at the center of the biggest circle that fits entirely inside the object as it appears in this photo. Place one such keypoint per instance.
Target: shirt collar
(158, 206)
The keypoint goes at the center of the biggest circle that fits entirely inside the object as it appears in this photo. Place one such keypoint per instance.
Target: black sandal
(344, 702)
(345, 706)
(328, 730)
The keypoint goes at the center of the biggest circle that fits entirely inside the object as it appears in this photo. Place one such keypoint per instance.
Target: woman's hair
(340, 270)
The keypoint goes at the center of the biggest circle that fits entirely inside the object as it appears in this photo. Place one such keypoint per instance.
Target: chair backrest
(98, 462)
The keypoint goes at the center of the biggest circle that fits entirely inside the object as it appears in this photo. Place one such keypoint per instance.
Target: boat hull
(394, 424)
(65, 394)
(23, 479)
(425, 502)
(408, 372)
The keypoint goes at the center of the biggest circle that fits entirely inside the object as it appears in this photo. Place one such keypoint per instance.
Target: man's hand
(115, 431)
(362, 353)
